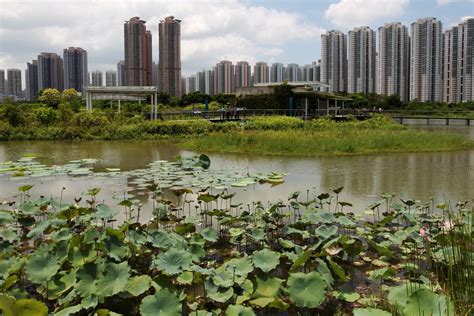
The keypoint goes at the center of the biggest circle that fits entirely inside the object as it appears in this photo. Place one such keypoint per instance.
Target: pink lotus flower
(448, 225)
(422, 232)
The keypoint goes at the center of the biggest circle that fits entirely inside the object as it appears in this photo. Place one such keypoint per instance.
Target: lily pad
(266, 260)
(163, 303)
(307, 289)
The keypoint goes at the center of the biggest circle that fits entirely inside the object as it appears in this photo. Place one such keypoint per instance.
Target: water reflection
(443, 175)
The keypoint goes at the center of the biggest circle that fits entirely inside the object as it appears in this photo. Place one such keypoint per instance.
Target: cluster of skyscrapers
(422, 63)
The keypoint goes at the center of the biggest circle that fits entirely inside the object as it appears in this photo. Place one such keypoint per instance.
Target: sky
(284, 31)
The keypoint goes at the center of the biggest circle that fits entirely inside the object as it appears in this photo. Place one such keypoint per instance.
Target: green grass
(325, 138)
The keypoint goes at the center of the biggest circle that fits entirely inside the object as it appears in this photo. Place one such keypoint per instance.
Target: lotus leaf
(163, 303)
(266, 260)
(307, 289)
(185, 278)
(42, 267)
(5, 217)
(370, 312)
(221, 295)
(426, 302)
(240, 266)
(114, 279)
(71, 310)
(267, 287)
(239, 310)
(399, 295)
(325, 232)
(173, 261)
(209, 234)
(383, 273)
(138, 285)
(28, 307)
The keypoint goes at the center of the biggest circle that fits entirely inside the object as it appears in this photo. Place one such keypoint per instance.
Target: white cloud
(351, 13)
(211, 30)
(445, 2)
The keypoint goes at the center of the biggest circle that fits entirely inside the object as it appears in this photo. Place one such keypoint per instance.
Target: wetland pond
(444, 176)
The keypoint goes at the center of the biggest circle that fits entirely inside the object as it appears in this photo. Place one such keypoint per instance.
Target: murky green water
(446, 176)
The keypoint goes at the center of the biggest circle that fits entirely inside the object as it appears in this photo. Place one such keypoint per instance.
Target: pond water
(445, 176)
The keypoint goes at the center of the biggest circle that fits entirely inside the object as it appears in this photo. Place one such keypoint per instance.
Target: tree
(50, 97)
(194, 98)
(69, 95)
(393, 102)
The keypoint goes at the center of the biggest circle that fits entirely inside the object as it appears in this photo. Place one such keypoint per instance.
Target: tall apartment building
(169, 31)
(425, 60)
(111, 78)
(2, 81)
(224, 77)
(293, 72)
(75, 68)
(206, 81)
(260, 73)
(334, 60)
(14, 83)
(97, 78)
(450, 65)
(277, 71)
(242, 74)
(50, 71)
(31, 79)
(121, 73)
(138, 53)
(465, 61)
(190, 85)
(361, 62)
(155, 74)
(310, 72)
(394, 60)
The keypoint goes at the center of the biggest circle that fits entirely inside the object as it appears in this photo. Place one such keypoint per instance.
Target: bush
(45, 115)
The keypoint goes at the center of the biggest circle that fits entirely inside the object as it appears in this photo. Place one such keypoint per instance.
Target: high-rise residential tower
(2, 81)
(31, 79)
(155, 74)
(465, 61)
(138, 53)
(293, 72)
(242, 74)
(277, 72)
(111, 78)
(50, 71)
(169, 32)
(394, 60)
(361, 62)
(121, 73)
(450, 65)
(260, 73)
(97, 78)
(75, 68)
(425, 60)
(334, 60)
(224, 77)
(14, 83)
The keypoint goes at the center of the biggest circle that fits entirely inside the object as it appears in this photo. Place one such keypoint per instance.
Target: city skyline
(274, 31)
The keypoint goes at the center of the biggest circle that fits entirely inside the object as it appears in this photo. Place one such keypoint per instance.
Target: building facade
(334, 60)
(361, 62)
(224, 77)
(169, 32)
(450, 63)
(276, 72)
(243, 74)
(97, 78)
(13, 86)
(261, 73)
(425, 60)
(50, 72)
(31, 80)
(394, 60)
(111, 78)
(138, 53)
(75, 68)
(465, 61)
(2, 81)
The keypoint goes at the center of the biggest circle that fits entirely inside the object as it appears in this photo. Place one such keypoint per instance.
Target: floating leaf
(239, 310)
(114, 280)
(266, 260)
(138, 285)
(307, 289)
(209, 234)
(173, 261)
(42, 267)
(163, 303)
(370, 312)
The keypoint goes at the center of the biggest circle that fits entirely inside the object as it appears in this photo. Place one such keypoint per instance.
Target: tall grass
(338, 141)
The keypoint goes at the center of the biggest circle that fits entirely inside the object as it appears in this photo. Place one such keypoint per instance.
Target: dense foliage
(201, 254)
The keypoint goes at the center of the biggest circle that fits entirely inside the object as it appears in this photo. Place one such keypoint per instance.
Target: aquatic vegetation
(294, 256)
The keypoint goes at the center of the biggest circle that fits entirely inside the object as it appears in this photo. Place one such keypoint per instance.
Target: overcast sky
(211, 30)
